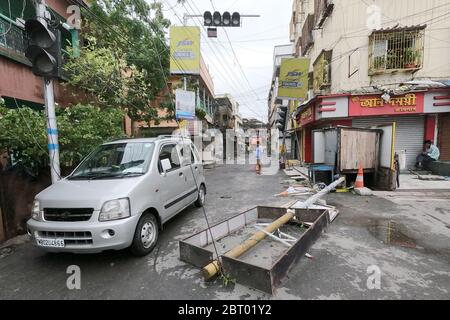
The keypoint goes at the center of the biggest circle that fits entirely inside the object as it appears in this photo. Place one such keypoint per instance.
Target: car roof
(147, 140)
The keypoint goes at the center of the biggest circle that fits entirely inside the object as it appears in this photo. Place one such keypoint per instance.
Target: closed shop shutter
(409, 133)
(444, 136)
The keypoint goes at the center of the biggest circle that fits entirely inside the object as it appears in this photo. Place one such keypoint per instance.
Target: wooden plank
(357, 147)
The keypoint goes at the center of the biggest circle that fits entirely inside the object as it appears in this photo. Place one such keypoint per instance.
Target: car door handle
(180, 174)
(196, 167)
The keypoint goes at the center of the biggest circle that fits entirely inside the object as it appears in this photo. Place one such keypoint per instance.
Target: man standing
(430, 154)
(258, 153)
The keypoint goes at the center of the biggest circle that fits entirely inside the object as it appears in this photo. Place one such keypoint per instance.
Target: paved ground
(405, 235)
(412, 182)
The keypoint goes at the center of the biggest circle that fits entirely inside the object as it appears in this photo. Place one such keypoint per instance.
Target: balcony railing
(13, 41)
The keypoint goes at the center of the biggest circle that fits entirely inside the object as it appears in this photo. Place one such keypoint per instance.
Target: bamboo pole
(213, 268)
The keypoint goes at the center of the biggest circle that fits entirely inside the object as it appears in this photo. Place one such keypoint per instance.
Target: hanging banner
(185, 50)
(293, 80)
(185, 104)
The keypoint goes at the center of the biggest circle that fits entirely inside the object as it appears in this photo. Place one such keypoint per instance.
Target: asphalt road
(405, 237)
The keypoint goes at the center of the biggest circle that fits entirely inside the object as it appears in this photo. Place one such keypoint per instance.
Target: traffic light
(236, 20)
(217, 19)
(281, 118)
(44, 49)
(207, 19)
(225, 20)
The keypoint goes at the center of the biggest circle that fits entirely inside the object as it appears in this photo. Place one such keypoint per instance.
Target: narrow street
(414, 259)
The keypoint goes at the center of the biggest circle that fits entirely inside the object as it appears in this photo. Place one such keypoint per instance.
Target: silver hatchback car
(119, 196)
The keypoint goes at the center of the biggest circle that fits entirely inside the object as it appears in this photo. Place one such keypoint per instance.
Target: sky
(246, 74)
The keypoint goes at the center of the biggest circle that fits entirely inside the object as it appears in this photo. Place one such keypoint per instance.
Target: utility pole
(52, 130)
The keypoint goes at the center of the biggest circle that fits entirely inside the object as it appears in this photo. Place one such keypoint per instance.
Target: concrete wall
(345, 30)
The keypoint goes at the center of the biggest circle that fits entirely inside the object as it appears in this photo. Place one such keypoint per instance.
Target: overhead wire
(249, 104)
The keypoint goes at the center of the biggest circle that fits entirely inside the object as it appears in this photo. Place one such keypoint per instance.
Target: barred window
(396, 49)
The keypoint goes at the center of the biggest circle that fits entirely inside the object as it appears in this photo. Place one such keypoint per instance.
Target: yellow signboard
(293, 80)
(185, 50)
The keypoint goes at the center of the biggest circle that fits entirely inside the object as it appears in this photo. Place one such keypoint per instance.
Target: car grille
(70, 238)
(72, 214)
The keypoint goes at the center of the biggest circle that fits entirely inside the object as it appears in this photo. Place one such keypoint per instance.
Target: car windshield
(115, 161)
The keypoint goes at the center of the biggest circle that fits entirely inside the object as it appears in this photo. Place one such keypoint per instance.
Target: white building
(361, 51)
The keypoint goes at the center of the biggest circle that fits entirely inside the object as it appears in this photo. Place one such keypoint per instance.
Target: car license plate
(52, 243)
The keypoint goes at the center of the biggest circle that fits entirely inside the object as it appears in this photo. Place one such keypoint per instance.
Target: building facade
(18, 83)
(203, 86)
(275, 102)
(376, 63)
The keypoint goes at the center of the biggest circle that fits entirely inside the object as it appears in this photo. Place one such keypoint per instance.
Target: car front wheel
(145, 236)
(201, 196)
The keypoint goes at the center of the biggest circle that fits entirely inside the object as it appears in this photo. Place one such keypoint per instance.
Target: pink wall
(19, 82)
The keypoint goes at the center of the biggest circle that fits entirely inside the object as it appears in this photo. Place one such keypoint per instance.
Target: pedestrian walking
(258, 153)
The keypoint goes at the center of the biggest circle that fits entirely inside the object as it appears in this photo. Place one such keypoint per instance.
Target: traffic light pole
(52, 130)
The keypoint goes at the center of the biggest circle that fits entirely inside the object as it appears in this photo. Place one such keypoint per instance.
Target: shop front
(418, 116)
(407, 111)
(437, 102)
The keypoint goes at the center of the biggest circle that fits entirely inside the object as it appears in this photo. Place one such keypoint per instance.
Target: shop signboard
(375, 105)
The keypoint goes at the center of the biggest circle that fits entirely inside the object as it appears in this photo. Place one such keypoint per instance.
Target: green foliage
(227, 280)
(106, 76)
(125, 60)
(200, 113)
(81, 128)
(23, 133)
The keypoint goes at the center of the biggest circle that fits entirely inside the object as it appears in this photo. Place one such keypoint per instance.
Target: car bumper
(86, 236)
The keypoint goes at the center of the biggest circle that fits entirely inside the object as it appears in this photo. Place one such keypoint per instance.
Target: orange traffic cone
(359, 183)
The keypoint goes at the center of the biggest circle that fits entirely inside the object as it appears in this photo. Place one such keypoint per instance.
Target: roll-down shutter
(409, 133)
(444, 136)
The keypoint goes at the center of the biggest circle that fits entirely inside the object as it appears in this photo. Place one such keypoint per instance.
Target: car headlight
(115, 209)
(35, 212)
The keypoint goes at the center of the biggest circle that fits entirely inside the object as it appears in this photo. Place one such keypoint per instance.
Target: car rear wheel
(145, 236)
(201, 196)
